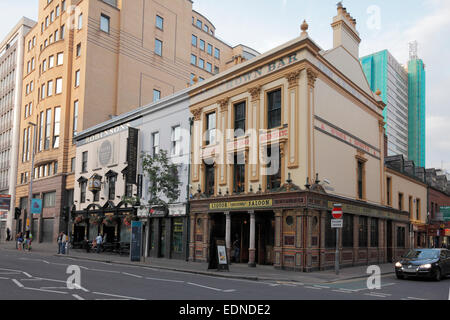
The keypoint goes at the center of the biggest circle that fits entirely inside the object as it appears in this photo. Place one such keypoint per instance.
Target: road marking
(18, 283)
(229, 290)
(43, 290)
(117, 296)
(100, 270)
(27, 274)
(322, 287)
(168, 280)
(8, 272)
(413, 298)
(343, 291)
(210, 288)
(132, 275)
(313, 288)
(1, 278)
(77, 297)
(379, 295)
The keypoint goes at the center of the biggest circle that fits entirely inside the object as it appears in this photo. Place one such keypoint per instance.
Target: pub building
(112, 188)
(276, 142)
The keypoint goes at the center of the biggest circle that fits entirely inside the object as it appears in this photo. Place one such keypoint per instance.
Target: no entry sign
(337, 211)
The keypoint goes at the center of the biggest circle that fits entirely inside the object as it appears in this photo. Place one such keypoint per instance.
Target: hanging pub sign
(132, 155)
(95, 183)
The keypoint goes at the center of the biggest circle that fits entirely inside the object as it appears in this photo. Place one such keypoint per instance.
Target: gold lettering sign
(241, 205)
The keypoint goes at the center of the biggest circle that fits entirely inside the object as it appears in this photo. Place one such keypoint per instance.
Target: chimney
(344, 31)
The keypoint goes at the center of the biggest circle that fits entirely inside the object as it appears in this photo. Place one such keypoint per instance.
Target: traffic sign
(337, 211)
(337, 223)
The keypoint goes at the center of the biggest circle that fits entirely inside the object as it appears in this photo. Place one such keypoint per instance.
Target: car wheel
(438, 275)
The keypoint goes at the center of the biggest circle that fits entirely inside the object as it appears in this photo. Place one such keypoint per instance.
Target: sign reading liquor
(237, 205)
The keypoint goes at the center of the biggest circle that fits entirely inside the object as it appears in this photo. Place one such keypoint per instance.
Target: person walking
(99, 241)
(19, 241)
(8, 234)
(237, 249)
(59, 240)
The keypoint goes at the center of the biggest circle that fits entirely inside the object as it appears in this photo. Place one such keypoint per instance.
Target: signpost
(337, 223)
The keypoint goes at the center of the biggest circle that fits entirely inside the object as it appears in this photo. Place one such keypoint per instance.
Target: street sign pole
(337, 214)
(336, 260)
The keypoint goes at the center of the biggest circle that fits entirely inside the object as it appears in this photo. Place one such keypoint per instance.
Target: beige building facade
(277, 142)
(90, 61)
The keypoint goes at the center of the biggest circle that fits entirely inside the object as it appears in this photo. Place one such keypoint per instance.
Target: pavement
(236, 271)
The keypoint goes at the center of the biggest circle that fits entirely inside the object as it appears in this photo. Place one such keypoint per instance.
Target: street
(30, 276)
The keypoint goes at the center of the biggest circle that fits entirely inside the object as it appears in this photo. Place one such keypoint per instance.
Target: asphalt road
(29, 276)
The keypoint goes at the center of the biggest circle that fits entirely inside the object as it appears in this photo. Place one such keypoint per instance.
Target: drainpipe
(188, 204)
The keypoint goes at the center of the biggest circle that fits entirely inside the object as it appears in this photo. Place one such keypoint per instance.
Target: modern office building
(384, 73)
(90, 61)
(11, 62)
(403, 89)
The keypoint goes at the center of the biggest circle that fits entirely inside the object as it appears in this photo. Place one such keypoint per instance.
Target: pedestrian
(99, 241)
(59, 240)
(63, 243)
(8, 234)
(237, 249)
(19, 241)
(28, 240)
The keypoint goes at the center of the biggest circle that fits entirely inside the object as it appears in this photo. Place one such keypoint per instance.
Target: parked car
(432, 263)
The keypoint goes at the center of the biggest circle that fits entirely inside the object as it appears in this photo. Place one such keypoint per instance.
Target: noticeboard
(136, 241)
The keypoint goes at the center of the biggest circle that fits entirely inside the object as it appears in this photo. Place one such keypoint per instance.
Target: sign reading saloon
(237, 205)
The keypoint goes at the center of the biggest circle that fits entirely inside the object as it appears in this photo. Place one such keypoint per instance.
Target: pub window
(410, 206)
(129, 190)
(84, 161)
(239, 173)
(417, 209)
(400, 201)
(83, 185)
(112, 178)
(330, 234)
(211, 128)
(274, 109)
(374, 233)
(363, 232)
(155, 141)
(273, 167)
(96, 195)
(347, 232)
(209, 179)
(239, 119)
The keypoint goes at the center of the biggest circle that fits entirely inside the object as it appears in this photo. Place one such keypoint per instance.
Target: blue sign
(136, 241)
(36, 206)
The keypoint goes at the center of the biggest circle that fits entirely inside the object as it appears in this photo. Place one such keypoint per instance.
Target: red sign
(337, 212)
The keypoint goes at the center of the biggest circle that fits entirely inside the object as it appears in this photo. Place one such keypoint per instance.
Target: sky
(382, 24)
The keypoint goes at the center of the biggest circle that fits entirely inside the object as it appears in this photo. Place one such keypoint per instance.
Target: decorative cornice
(223, 104)
(293, 77)
(255, 92)
(312, 76)
(197, 113)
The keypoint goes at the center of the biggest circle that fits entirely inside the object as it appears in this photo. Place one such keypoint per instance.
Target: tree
(163, 177)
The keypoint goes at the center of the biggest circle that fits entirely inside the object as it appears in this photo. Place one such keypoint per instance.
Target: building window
(77, 78)
(78, 50)
(201, 63)
(216, 53)
(56, 35)
(43, 92)
(84, 162)
(44, 65)
(374, 233)
(58, 86)
(72, 164)
(330, 234)
(176, 141)
(209, 179)
(57, 11)
(193, 59)
(400, 201)
(210, 49)
(48, 127)
(49, 200)
(41, 132)
(104, 23)
(401, 237)
(83, 186)
(389, 191)
(410, 203)
(239, 173)
(60, 59)
(347, 231)
(51, 62)
(360, 179)
(205, 28)
(96, 195)
(156, 95)
(80, 21)
(363, 232)
(49, 88)
(159, 22)
(194, 41)
(158, 47)
(417, 209)
(209, 67)
(63, 29)
(273, 167)
(274, 109)
(216, 69)
(56, 127)
(75, 119)
(199, 24)
(239, 119)
(112, 187)
(202, 45)
(155, 143)
(210, 128)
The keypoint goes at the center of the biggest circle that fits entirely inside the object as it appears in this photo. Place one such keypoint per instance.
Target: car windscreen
(423, 254)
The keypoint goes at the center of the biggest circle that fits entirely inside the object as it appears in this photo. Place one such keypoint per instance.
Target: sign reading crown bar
(237, 205)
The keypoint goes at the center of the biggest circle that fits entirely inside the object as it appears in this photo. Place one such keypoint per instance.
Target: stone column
(228, 233)
(323, 219)
(251, 249)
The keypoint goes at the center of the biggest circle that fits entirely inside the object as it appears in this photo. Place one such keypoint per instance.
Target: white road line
(229, 290)
(18, 283)
(210, 288)
(168, 280)
(376, 295)
(77, 297)
(342, 291)
(316, 288)
(323, 287)
(413, 298)
(1, 278)
(117, 296)
(100, 270)
(43, 290)
(132, 275)
(8, 272)
(27, 274)
(47, 288)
